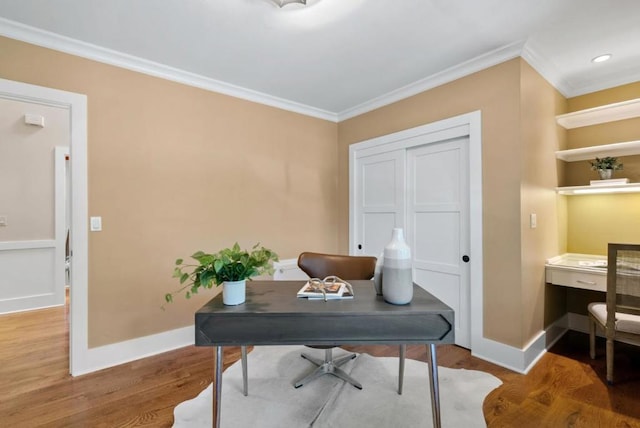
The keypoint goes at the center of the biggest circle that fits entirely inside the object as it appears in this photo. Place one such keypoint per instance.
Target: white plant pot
(605, 174)
(234, 292)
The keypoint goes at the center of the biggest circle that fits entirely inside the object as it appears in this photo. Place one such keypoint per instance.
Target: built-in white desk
(584, 271)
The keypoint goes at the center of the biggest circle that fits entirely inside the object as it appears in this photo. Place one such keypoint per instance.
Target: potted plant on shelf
(605, 166)
(230, 267)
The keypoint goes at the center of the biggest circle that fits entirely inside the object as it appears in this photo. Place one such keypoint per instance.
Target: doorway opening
(76, 106)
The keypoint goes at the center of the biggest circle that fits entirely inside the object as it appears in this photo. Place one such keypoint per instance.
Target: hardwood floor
(565, 388)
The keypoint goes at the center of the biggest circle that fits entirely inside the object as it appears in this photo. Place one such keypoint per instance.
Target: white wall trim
(134, 349)
(474, 65)
(60, 208)
(546, 69)
(77, 106)
(522, 360)
(578, 322)
(288, 270)
(518, 360)
(528, 51)
(25, 33)
(47, 39)
(549, 71)
(27, 245)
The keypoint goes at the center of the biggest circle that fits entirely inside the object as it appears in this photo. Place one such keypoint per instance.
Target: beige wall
(541, 137)
(174, 169)
(595, 220)
(496, 92)
(607, 96)
(27, 169)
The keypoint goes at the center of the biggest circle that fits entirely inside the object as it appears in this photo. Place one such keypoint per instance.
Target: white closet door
(437, 224)
(379, 200)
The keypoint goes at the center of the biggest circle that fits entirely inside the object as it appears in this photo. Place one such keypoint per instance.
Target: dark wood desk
(273, 315)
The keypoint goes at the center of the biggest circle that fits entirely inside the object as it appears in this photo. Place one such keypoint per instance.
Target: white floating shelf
(599, 189)
(607, 113)
(586, 153)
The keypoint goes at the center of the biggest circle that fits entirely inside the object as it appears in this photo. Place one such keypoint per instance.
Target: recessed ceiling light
(602, 58)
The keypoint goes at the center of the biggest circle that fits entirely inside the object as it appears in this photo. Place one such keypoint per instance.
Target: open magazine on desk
(329, 288)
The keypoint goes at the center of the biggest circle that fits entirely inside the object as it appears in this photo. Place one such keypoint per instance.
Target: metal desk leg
(217, 385)
(403, 349)
(433, 378)
(245, 382)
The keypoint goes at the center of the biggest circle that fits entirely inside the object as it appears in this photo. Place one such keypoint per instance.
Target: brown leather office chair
(619, 317)
(318, 265)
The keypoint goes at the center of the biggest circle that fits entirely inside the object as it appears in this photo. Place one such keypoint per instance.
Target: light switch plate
(96, 224)
(3, 220)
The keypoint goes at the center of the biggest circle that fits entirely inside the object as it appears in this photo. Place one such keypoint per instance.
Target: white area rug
(331, 403)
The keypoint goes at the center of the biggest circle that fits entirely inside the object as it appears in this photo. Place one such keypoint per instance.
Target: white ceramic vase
(234, 292)
(397, 276)
(377, 275)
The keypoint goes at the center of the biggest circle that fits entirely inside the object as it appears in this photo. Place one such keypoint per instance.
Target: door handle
(465, 258)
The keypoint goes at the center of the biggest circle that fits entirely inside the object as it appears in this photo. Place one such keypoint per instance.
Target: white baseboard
(556, 330)
(522, 360)
(518, 360)
(288, 270)
(123, 352)
(578, 322)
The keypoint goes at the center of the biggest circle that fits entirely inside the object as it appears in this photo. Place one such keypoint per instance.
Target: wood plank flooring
(565, 388)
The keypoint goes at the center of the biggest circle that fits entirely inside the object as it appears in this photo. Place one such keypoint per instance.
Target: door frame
(60, 208)
(398, 140)
(76, 104)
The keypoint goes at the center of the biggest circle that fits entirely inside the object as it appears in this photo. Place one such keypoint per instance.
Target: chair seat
(626, 323)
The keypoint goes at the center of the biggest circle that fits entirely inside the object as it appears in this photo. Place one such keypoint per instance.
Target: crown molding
(603, 84)
(466, 68)
(47, 39)
(546, 69)
(550, 72)
(527, 51)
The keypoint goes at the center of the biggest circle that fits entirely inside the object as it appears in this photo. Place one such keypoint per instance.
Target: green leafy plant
(605, 163)
(229, 264)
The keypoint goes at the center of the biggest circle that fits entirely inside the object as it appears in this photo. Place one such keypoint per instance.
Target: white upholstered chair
(619, 316)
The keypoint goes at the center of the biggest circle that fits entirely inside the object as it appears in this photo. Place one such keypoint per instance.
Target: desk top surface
(273, 314)
(279, 297)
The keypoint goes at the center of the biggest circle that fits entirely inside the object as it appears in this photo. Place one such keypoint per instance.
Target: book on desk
(330, 288)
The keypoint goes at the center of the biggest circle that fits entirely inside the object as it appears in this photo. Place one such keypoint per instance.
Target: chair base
(328, 366)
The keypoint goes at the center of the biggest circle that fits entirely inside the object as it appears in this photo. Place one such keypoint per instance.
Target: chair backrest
(623, 281)
(318, 265)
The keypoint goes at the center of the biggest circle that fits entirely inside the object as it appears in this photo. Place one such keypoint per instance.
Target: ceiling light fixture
(283, 3)
(602, 58)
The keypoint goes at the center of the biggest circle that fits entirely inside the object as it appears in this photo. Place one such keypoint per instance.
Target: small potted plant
(605, 166)
(230, 267)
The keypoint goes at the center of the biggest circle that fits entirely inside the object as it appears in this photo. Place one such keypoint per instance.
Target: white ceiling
(338, 58)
